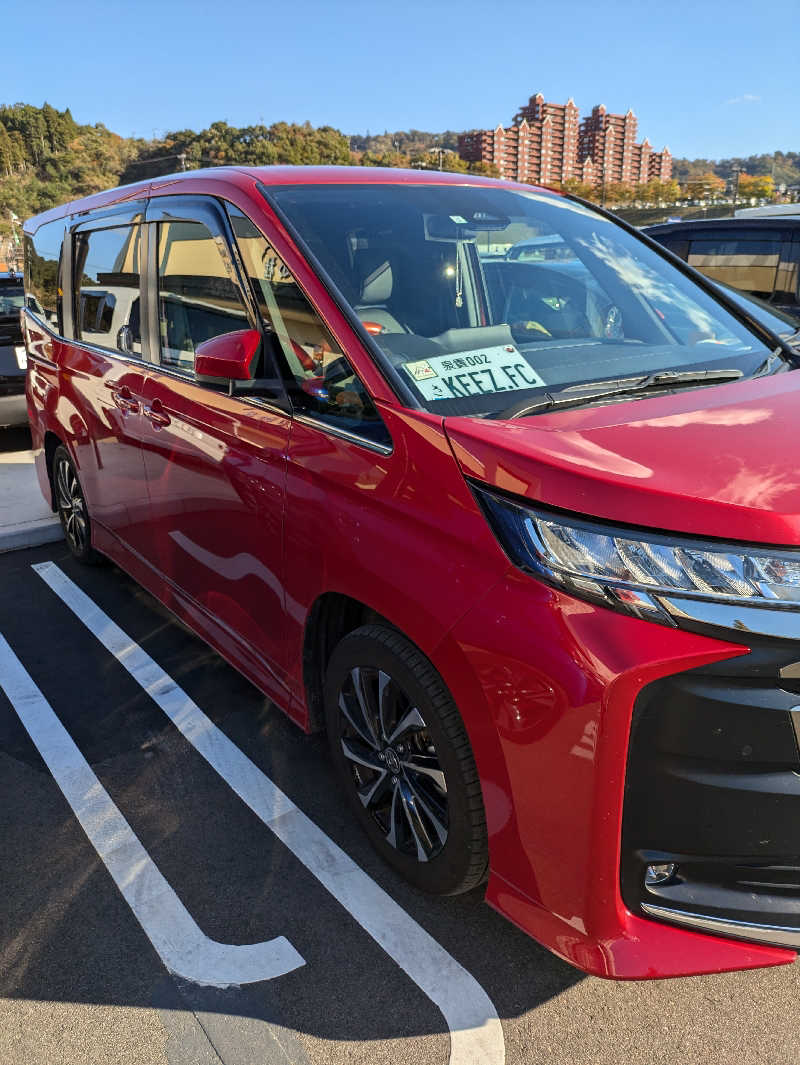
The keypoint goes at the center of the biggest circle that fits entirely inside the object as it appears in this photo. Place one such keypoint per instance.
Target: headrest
(376, 278)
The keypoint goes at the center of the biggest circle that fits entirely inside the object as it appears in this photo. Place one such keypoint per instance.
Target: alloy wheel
(71, 507)
(393, 762)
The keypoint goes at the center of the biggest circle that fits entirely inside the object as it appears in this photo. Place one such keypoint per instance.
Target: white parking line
(476, 1035)
(183, 948)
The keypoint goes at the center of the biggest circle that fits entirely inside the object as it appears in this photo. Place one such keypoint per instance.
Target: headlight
(656, 576)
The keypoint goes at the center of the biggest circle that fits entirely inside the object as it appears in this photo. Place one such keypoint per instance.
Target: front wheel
(72, 510)
(403, 755)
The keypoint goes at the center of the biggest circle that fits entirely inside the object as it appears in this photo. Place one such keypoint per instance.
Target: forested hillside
(47, 158)
(783, 167)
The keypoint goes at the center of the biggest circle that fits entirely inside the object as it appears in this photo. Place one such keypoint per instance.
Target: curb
(30, 534)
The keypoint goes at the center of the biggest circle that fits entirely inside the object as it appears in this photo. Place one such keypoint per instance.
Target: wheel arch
(332, 616)
(51, 442)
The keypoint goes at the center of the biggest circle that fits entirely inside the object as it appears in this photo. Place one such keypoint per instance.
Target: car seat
(375, 279)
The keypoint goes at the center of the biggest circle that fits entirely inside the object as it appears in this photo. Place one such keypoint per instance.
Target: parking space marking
(476, 1035)
(184, 949)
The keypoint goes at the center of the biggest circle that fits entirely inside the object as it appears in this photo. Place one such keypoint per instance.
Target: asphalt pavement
(82, 971)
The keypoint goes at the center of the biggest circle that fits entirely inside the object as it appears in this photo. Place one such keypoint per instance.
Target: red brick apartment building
(546, 143)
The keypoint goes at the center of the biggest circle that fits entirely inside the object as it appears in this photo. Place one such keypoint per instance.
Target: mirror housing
(125, 339)
(229, 356)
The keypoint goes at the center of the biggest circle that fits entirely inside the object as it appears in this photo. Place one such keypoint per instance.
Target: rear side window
(322, 383)
(107, 288)
(197, 298)
(42, 266)
(747, 262)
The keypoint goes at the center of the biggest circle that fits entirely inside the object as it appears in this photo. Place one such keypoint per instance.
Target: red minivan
(487, 485)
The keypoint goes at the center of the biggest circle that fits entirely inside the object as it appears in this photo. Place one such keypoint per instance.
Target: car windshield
(12, 297)
(480, 297)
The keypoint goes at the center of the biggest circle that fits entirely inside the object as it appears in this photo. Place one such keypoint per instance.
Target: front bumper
(550, 688)
(713, 787)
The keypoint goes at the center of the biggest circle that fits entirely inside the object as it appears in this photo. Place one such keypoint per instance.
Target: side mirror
(229, 356)
(125, 339)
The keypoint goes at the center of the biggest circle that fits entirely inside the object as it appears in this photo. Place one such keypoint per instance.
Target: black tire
(406, 765)
(72, 510)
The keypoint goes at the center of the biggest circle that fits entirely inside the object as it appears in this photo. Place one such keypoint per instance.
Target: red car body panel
(214, 466)
(240, 519)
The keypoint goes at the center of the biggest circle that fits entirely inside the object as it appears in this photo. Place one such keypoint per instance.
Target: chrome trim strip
(777, 621)
(41, 360)
(120, 356)
(45, 325)
(775, 935)
(353, 438)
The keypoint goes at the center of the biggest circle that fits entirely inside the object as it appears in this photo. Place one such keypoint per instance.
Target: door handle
(122, 397)
(156, 413)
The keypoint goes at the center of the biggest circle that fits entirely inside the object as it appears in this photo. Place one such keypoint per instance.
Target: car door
(215, 459)
(104, 369)
(340, 453)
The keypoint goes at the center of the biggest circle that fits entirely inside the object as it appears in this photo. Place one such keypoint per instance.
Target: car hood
(721, 461)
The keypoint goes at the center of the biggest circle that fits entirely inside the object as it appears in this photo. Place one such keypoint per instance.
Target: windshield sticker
(483, 372)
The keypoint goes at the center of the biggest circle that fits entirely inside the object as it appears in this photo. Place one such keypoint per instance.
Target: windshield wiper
(663, 379)
(768, 365)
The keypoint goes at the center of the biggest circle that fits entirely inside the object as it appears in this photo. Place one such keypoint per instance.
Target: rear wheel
(72, 510)
(403, 755)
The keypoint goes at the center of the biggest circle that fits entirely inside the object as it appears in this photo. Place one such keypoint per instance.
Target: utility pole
(736, 171)
(14, 245)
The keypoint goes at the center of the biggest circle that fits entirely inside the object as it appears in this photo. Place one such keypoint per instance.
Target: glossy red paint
(710, 463)
(241, 519)
(555, 679)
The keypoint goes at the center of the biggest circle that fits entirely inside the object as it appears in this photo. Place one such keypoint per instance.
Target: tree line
(47, 158)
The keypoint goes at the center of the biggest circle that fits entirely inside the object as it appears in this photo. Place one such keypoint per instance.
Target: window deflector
(206, 212)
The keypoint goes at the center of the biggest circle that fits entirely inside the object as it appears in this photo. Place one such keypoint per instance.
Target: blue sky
(706, 79)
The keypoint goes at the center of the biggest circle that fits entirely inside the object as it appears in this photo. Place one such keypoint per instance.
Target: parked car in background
(521, 533)
(759, 255)
(769, 210)
(13, 407)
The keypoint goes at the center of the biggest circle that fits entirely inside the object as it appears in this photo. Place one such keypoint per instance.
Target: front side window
(42, 266)
(321, 381)
(197, 297)
(480, 298)
(107, 288)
